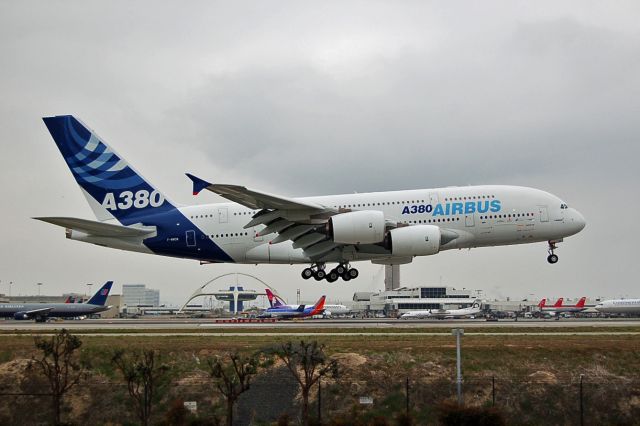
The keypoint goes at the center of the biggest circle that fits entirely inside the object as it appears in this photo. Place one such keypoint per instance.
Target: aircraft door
(191, 238)
(543, 213)
(223, 215)
(468, 220)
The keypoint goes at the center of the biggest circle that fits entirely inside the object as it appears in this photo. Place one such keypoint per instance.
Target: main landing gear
(318, 272)
(552, 258)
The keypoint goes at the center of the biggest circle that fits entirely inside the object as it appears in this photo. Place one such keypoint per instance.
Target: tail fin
(319, 306)
(100, 298)
(269, 296)
(542, 303)
(112, 187)
(581, 302)
(274, 300)
(558, 303)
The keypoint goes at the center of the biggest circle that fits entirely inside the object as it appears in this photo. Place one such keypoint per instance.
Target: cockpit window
(564, 206)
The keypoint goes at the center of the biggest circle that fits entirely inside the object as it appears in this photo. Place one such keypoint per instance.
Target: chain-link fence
(276, 396)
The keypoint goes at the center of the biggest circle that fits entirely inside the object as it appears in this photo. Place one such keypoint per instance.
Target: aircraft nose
(578, 221)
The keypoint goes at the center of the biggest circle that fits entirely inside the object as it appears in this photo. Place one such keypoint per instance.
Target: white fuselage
(525, 215)
(619, 306)
(443, 313)
(336, 309)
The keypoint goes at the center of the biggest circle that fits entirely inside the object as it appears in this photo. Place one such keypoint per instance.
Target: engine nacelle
(20, 316)
(418, 240)
(360, 227)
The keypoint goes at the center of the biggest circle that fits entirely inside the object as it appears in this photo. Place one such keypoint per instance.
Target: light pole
(10, 284)
(89, 289)
(458, 332)
(39, 285)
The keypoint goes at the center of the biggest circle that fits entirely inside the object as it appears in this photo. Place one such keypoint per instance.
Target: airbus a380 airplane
(257, 227)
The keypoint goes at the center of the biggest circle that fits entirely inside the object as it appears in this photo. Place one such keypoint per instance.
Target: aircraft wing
(38, 311)
(251, 198)
(100, 229)
(292, 219)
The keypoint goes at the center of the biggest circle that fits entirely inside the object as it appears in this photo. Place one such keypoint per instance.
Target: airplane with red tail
(278, 309)
(559, 307)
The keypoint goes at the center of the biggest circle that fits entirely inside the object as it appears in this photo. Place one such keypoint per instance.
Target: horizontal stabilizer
(99, 229)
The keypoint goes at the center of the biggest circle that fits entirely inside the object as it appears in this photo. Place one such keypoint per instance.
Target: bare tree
(58, 362)
(307, 362)
(232, 376)
(145, 375)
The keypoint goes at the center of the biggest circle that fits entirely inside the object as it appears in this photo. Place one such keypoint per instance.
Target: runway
(169, 326)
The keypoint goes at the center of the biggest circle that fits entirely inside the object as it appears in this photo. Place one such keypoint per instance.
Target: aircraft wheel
(346, 276)
(340, 269)
(332, 276)
(552, 258)
(307, 273)
(353, 273)
(320, 275)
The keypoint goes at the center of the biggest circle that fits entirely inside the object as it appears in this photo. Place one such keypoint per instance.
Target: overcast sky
(310, 98)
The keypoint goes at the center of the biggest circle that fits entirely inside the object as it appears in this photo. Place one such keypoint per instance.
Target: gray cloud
(306, 99)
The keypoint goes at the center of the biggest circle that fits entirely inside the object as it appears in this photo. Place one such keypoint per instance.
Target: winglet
(198, 184)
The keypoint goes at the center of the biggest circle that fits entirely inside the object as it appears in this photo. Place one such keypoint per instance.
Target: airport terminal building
(404, 299)
(140, 295)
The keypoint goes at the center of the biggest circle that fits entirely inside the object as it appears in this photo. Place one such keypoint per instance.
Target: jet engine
(359, 227)
(21, 316)
(418, 240)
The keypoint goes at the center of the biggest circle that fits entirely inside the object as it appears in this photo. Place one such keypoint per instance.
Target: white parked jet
(256, 227)
(619, 306)
(335, 310)
(472, 310)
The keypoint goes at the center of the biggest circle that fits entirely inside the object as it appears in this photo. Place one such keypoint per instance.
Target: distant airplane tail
(581, 302)
(100, 298)
(542, 303)
(558, 303)
(274, 300)
(319, 306)
(112, 187)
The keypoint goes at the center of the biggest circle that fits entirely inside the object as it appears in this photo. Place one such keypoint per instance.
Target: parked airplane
(278, 309)
(330, 310)
(473, 310)
(559, 307)
(544, 308)
(41, 311)
(619, 306)
(256, 227)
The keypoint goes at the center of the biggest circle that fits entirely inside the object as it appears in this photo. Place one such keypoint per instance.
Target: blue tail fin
(112, 187)
(100, 298)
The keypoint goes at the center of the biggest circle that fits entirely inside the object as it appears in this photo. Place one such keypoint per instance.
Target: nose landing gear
(552, 258)
(317, 271)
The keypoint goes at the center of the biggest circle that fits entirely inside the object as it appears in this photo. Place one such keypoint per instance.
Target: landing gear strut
(317, 271)
(552, 258)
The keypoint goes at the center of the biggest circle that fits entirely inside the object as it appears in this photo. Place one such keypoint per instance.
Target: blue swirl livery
(115, 190)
